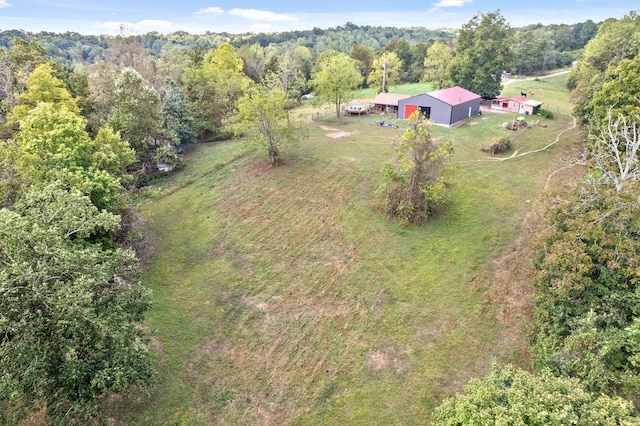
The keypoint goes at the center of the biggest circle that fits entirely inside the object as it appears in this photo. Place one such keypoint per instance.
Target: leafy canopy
(263, 117)
(587, 290)
(615, 42)
(335, 79)
(54, 146)
(69, 309)
(437, 63)
(483, 51)
(213, 87)
(42, 86)
(619, 94)
(417, 175)
(385, 71)
(507, 396)
(136, 113)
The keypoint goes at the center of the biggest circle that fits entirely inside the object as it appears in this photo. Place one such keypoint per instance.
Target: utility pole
(384, 72)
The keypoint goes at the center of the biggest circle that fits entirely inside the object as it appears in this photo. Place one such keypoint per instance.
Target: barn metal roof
(454, 95)
(389, 98)
(533, 103)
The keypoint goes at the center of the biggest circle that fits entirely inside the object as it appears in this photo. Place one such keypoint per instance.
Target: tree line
(585, 342)
(538, 47)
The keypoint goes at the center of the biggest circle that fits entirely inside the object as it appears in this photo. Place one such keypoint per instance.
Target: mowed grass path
(283, 295)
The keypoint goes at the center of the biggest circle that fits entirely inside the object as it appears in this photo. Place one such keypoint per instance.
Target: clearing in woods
(284, 296)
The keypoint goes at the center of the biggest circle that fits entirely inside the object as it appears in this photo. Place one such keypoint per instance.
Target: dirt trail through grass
(544, 148)
(509, 81)
(516, 154)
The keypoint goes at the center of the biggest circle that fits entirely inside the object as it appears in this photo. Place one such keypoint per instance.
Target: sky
(242, 16)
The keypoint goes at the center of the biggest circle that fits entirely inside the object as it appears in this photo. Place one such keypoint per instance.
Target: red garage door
(409, 109)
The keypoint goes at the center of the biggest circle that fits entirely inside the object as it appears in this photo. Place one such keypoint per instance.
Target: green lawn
(550, 91)
(284, 296)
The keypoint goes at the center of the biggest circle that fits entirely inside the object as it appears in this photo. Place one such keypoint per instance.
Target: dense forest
(87, 120)
(537, 47)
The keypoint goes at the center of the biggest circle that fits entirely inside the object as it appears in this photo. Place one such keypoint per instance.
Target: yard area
(285, 296)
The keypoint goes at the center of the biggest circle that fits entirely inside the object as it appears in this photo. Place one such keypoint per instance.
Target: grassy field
(405, 89)
(283, 295)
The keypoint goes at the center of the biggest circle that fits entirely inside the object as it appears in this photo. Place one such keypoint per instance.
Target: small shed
(445, 107)
(387, 103)
(517, 104)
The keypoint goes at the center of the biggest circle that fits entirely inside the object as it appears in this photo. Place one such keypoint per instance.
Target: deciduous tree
(403, 50)
(619, 94)
(70, 310)
(213, 88)
(263, 117)
(437, 63)
(385, 71)
(483, 51)
(364, 56)
(255, 60)
(177, 121)
(587, 290)
(101, 78)
(417, 176)
(527, 53)
(615, 41)
(336, 77)
(514, 397)
(288, 76)
(27, 55)
(136, 114)
(418, 55)
(127, 51)
(8, 91)
(42, 86)
(54, 146)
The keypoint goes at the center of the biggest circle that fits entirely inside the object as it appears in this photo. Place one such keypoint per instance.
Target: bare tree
(615, 154)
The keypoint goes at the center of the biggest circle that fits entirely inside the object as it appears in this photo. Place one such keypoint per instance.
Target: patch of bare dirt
(335, 133)
(434, 329)
(381, 359)
(258, 168)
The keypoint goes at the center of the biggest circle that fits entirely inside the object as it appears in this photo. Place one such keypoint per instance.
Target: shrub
(516, 397)
(416, 177)
(545, 113)
(496, 146)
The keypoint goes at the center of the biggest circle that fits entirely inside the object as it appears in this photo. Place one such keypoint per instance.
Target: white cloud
(3, 4)
(262, 15)
(517, 15)
(452, 3)
(209, 11)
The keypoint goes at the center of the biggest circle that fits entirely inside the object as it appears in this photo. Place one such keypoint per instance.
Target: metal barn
(445, 107)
